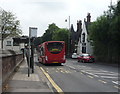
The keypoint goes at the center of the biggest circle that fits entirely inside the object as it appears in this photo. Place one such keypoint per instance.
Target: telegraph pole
(68, 48)
(69, 38)
(69, 22)
(29, 53)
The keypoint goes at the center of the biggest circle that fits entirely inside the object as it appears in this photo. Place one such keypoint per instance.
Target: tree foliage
(105, 35)
(47, 36)
(54, 33)
(61, 35)
(10, 26)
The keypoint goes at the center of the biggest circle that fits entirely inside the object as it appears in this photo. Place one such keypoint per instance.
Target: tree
(9, 25)
(105, 35)
(62, 35)
(47, 36)
(37, 41)
(54, 33)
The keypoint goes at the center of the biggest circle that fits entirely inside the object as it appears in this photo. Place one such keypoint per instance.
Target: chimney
(88, 17)
(79, 25)
(72, 29)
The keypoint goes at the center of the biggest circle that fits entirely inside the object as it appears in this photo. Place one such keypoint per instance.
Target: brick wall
(10, 60)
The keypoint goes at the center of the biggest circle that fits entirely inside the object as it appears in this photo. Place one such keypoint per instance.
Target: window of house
(83, 37)
(9, 43)
(15, 44)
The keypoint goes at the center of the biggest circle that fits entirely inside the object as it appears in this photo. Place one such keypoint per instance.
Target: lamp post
(68, 53)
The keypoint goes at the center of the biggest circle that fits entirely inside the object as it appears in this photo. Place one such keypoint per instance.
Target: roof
(87, 24)
(75, 35)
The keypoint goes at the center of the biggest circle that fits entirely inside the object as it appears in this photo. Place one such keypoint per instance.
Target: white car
(74, 56)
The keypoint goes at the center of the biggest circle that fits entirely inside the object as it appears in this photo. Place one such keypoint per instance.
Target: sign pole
(32, 35)
(29, 55)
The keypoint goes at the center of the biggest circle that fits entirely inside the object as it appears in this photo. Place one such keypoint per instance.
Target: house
(9, 44)
(84, 43)
(74, 37)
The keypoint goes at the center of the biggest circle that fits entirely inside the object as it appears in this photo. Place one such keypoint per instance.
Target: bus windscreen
(55, 47)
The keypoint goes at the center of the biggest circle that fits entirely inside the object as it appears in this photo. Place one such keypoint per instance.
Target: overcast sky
(41, 13)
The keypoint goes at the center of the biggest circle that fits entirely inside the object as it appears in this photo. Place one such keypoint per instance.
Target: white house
(8, 44)
(84, 44)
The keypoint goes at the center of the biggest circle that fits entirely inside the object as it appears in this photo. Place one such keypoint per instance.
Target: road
(74, 76)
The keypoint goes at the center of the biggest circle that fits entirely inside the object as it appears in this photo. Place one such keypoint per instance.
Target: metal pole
(69, 22)
(32, 55)
(29, 56)
(69, 39)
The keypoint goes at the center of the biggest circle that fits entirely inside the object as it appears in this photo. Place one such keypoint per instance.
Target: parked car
(86, 58)
(74, 56)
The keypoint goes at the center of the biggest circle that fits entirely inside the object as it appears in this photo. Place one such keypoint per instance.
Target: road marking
(90, 76)
(108, 77)
(81, 73)
(116, 82)
(87, 68)
(62, 71)
(106, 73)
(71, 67)
(96, 71)
(58, 69)
(59, 90)
(104, 70)
(117, 87)
(67, 71)
(102, 81)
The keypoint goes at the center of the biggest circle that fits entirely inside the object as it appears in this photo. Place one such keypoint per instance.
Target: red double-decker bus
(52, 52)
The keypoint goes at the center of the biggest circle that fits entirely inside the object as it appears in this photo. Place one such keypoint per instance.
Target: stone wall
(10, 60)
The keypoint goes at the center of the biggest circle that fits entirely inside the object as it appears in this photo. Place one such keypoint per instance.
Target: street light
(68, 34)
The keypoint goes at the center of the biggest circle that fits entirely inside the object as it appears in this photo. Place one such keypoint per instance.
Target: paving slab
(20, 82)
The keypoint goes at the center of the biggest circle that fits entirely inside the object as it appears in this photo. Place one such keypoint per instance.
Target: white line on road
(102, 81)
(107, 71)
(108, 77)
(117, 87)
(95, 71)
(116, 82)
(92, 74)
(84, 67)
(70, 67)
(62, 71)
(106, 74)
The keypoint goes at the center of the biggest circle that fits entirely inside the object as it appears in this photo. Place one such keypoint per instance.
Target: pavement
(20, 82)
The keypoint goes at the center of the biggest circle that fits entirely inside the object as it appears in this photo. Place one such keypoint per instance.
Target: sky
(41, 13)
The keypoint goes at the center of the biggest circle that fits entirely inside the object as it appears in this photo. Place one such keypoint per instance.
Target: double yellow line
(59, 90)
